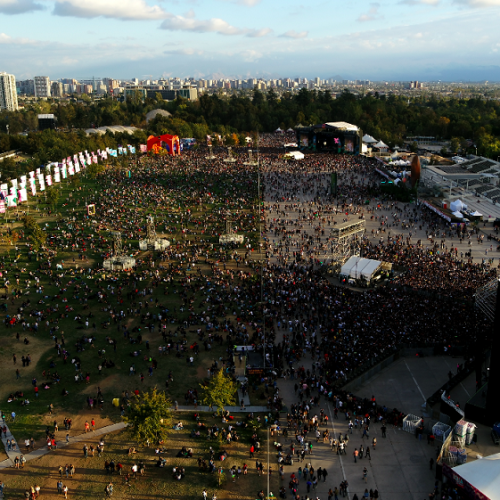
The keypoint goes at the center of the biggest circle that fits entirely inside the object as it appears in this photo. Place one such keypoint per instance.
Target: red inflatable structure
(169, 142)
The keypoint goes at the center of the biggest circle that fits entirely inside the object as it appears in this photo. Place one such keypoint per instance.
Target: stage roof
(341, 126)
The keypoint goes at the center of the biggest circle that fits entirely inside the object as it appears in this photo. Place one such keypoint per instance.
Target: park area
(88, 342)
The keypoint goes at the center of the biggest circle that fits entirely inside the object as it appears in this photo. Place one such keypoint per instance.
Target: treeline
(390, 119)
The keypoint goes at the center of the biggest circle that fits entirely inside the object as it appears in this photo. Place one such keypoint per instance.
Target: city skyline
(391, 40)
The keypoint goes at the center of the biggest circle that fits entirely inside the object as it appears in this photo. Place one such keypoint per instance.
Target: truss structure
(486, 298)
(345, 241)
(150, 230)
(230, 158)
(253, 162)
(117, 243)
(210, 156)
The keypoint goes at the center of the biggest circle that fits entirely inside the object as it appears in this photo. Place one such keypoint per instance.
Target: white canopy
(278, 130)
(290, 130)
(457, 206)
(458, 215)
(381, 144)
(358, 267)
(369, 139)
(296, 155)
(476, 214)
(291, 145)
(483, 474)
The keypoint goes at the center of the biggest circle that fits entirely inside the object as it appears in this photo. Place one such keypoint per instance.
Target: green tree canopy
(220, 391)
(150, 417)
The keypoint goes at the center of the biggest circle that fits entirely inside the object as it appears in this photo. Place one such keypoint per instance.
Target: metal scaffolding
(117, 243)
(150, 230)
(345, 241)
(486, 298)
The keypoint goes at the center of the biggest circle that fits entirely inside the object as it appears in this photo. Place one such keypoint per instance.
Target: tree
(150, 417)
(220, 391)
(35, 233)
(52, 194)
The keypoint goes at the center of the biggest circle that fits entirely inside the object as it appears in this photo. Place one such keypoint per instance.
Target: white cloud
(8, 40)
(372, 14)
(259, 33)
(421, 2)
(248, 3)
(117, 9)
(12, 7)
(188, 22)
(250, 55)
(214, 25)
(183, 52)
(478, 3)
(294, 34)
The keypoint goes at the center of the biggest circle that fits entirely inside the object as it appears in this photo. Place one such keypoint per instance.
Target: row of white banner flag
(17, 192)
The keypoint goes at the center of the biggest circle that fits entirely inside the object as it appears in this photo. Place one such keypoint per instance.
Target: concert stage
(335, 137)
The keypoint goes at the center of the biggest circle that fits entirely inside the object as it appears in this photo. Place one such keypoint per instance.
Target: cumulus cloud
(8, 40)
(13, 7)
(372, 14)
(294, 34)
(117, 9)
(188, 22)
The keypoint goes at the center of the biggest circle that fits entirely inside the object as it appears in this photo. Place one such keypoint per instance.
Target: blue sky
(382, 40)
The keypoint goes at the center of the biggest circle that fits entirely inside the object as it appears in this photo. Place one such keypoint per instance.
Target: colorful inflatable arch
(169, 142)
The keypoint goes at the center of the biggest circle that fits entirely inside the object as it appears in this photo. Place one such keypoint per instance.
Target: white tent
(482, 474)
(457, 206)
(290, 130)
(381, 145)
(296, 155)
(278, 131)
(458, 215)
(358, 267)
(291, 145)
(476, 214)
(368, 139)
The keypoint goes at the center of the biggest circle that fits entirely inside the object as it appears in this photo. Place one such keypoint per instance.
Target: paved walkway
(62, 444)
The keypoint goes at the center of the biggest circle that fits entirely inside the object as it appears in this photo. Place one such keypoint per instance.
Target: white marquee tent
(360, 268)
(457, 206)
(483, 475)
(296, 155)
(368, 139)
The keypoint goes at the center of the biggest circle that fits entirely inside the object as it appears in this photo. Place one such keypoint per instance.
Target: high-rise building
(8, 94)
(56, 89)
(42, 86)
(25, 87)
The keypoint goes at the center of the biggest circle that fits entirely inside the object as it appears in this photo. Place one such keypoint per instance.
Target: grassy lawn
(72, 296)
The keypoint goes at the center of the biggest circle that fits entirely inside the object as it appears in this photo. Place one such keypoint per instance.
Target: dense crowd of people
(288, 240)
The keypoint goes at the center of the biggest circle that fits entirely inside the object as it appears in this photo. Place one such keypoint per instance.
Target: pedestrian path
(40, 452)
(230, 409)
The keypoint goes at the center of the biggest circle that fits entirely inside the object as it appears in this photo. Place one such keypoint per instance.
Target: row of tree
(391, 119)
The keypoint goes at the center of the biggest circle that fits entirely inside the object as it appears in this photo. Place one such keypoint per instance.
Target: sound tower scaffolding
(486, 410)
(345, 241)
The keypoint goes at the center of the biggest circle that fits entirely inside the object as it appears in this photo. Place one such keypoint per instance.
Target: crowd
(216, 286)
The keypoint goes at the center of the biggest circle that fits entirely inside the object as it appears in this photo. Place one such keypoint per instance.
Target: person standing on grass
(65, 491)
